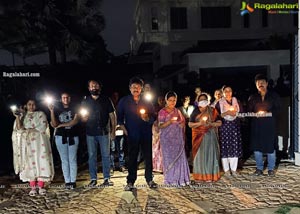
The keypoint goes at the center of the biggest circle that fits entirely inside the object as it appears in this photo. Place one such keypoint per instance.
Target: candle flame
(142, 111)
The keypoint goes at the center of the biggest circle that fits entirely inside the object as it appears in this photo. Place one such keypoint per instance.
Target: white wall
(273, 58)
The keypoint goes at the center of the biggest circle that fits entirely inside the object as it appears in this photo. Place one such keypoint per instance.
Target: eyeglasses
(136, 87)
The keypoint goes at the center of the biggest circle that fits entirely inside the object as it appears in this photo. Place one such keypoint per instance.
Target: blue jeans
(92, 143)
(259, 160)
(68, 157)
(117, 146)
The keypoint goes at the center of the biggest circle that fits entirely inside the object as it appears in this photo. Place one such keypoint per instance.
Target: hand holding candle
(49, 100)
(15, 110)
(144, 115)
(232, 111)
(174, 118)
(142, 111)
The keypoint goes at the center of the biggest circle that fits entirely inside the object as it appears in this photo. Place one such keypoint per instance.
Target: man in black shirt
(100, 112)
(266, 104)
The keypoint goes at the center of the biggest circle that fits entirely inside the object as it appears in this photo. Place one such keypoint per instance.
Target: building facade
(215, 42)
(184, 37)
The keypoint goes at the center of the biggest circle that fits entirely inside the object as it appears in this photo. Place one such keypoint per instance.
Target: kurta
(263, 136)
(32, 149)
(230, 132)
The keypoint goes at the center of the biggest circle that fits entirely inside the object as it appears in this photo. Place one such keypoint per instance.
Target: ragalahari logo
(246, 9)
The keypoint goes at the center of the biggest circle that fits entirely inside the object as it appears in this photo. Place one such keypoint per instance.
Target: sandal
(33, 192)
(42, 191)
(128, 187)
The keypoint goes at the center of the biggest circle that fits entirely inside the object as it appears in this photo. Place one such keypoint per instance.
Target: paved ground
(244, 195)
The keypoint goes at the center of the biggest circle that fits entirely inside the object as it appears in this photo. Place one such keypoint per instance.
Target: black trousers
(134, 144)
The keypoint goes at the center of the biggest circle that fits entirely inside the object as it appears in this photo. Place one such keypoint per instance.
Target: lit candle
(261, 112)
(174, 118)
(83, 112)
(142, 111)
(204, 118)
(231, 108)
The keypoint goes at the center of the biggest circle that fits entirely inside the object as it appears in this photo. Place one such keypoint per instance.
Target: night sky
(119, 16)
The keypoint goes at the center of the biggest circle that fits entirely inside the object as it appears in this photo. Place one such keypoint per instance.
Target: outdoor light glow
(142, 111)
(13, 107)
(119, 132)
(204, 118)
(49, 100)
(148, 96)
(83, 112)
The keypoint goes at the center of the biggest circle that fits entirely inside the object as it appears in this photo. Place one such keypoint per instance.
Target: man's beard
(95, 92)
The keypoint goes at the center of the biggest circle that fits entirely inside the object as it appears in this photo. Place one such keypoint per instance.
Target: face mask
(95, 92)
(203, 103)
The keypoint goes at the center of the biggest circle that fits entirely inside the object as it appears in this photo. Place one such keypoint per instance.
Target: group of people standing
(212, 130)
(216, 141)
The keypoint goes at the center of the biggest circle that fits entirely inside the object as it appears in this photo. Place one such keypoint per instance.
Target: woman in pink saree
(157, 164)
(171, 124)
(205, 147)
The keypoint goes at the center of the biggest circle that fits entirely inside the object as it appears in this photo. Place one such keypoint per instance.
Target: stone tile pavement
(245, 194)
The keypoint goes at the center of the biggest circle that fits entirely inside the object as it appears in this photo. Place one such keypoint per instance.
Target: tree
(70, 27)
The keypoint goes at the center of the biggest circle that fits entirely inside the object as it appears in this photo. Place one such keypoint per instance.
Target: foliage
(70, 27)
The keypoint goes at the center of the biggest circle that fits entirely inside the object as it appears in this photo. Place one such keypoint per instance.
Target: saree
(205, 149)
(175, 165)
(32, 155)
(157, 164)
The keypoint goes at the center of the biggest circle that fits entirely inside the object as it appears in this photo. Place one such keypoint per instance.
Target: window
(246, 20)
(264, 20)
(178, 18)
(154, 18)
(215, 17)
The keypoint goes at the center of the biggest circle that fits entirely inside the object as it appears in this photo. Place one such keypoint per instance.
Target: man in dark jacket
(266, 105)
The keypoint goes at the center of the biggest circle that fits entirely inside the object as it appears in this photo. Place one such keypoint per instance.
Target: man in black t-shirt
(101, 112)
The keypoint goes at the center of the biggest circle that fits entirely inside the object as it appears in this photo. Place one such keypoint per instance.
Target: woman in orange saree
(205, 147)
